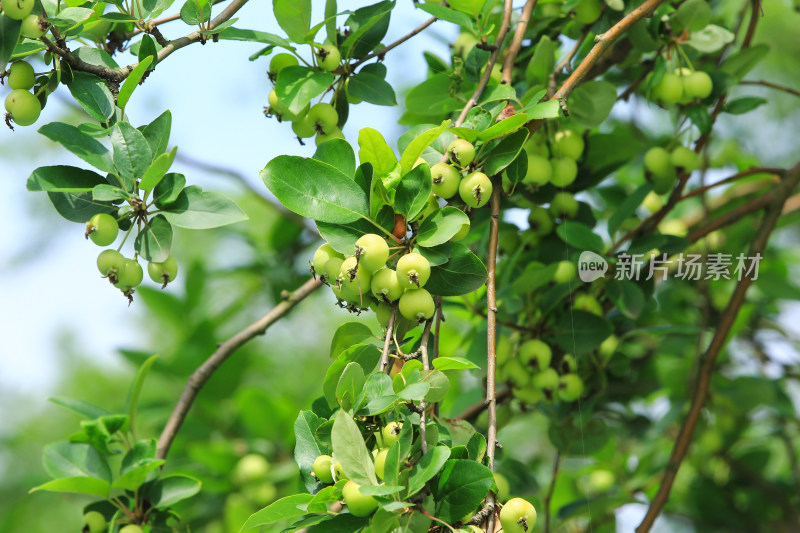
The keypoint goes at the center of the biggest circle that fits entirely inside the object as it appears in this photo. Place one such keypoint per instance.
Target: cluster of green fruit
(122, 272)
(251, 476)
(94, 522)
(475, 188)
(556, 164)
(22, 105)
(532, 376)
(32, 26)
(682, 86)
(320, 120)
(662, 167)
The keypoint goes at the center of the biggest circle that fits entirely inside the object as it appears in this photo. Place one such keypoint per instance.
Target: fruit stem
(387, 340)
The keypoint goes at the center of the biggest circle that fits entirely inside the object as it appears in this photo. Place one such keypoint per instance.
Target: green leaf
(744, 105)
(148, 48)
(339, 154)
(79, 406)
(627, 296)
(374, 150)
(462, 274)
(433, 97)
(700, 117)
(710, 39)
(154, 240)
(454, 363)
(80, 144)
(195, 208)
(518, 168)
(378, 394)
(364, 354)
(157, 133)
(591, 103)
(416, 148)
(294, 17)
(505, 152)
(132, 81)
(576, 439)
(157, 169)
(349, 449)
(580, 236)
(544, 110)
(351, 382)
(307, 449)
(169, 189)
(77, 485)
(439, 386)
(140, 453)
(136, 388)
(238, 34)
(169, 490)
(414, 391)
(9, 33)
(440, 227)
(367, 25)
(330, 19)
(504, 127)
(628, 207)
(72, 459)
(93, 95)
(348, 335)
(579, 332)
(742, 61)
(461, 487)
(413, 192)
(542, 63)
(692, 15)
(71, 16)
(194, 14)
(297, 85)
(134, 477)
(315, 190)
(70, 191)
(279, 511)
(109, 193)
(445, 13)
(371, 89)
(132, 155)
(343, 237)
(427, 467)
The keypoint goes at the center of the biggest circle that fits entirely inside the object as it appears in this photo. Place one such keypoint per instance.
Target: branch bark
(200, 376)
(387, 341)
(398, 42)
(679, 451)
(516, 42)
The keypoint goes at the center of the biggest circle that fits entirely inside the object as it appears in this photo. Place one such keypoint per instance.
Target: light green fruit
(464, 44)
(475, 189)
(102, 228)
(565, 170)
(517, 374)
(332, 269)
(445, 180)
(588, 11)
(163, 272)
(685, 159)
(539, 170)
(385, 286)
(390, 433)
(17, 9)
(652, 202)
(517, 516)
(568, 143)
(601, 480)
(529, 394)
(413, 271)
(322, 469)
(130, 276)
(110, 263)
(324, 117)
(570, 387)
(94, 522)
(546, 381)
(416, 305)
(669, 90)
(32, 27)
(278, 108)
(328, 57)
(372, 251)
(131, 528)
(461, 152)
(21, 75)
(662, 184)
(564, 205)
(567, 365)
(608, 347)
(280, 62)
(251, 468)
(322, 255)
(23, 107)
(463, 232)
(540, 221)
(698, 85)
(503, 487)
(657, 162)
(565, 272)
(380, 462)
(304, 128)
(355, 278)
(536, 354)
(588, 303)
(335, 133)
(339, 471)
(358, 504)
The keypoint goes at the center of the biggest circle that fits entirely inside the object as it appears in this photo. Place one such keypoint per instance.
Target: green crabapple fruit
(331, 270)
(17, 9)
(698, 85)
(503, 488)
(445, 180)
(23, 107)
(540, 221)
(517, 516)
(669, 90)
(391, 432)
(567, 365)
(464, 44)
(380, 462)
(546, 381)
(539, 170)
(372, 251)
(565, 170)
(657, 162)
(280, 62)
(528, 394)
(355, 279)
(570, 387)
(416, 305)
(360, 505)
(94, 522)
(32, 27)
(304, 127)
(110, 263)
(250, 469)
(461, 152)
(565, 272)
(339, 471)
(102, 228)
(130, 275)
(601, 480)
(568, 143)
(564, 205)
(322, 469)
(164, 271)
(324, 117)
(475, 189)
(278, 108)
(685, 159)
(517, 373)
(21, 75)
(588, 303)
(131, 528)
(322, 255)
(662, 184)
(535, 353)
(413, 271)
(385, 286)
(588, 11)
(335, 133)
(328, 57)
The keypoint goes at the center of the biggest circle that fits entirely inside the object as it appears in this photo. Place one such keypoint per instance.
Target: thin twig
(516, 42)
(207, 369)
(549, 496)
(426, 365)
(731, 217)
(771, 85)
(726, 320)
(729, 179)
(477, 408)
(398, 42)
(387, 341)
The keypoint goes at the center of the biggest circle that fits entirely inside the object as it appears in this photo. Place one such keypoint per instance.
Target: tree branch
(398, 42)
(387, 341)
(550, 490)
(771, 85)
(679, 451)
(477, 408)
(516, 42)
(207, 369)
(729, 179)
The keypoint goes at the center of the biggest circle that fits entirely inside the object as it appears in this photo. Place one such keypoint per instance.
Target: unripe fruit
(698, 84)
(321, 257)
(464, 44)
(385, 286)
(21, 75)
(355, 278)
(328, 57)
(546, 381)
(463, 232)
(536, 354)
(335, 133)
(17, 9)
(461, 152)
(517, 374)
(503, 488)
(324, 117)
(568, 143)
(339, 472)
(528, 394)
(102, 228)
(391, 432)
(565, 272)
(358, 504)
(570, 387)
(588, 11)
(280, 62)
(332, 269)
(130, 275)
(131, 528)
(32, 27)
(322, 469)
(23, 107)
(540, 221)
(685, 159)
(413, 271)
(163, 272)
(565, 170)
(94, 522)
(601, 480)
(564, 205)
(251, 468)
(445, 180)
(380, 463)
(664, 183)
(657, 162)
(372, 251)
(568, 365)
(669, 90)
(539, 170)
(110, 263)
(475, 189)
(588, 303)
(608, 347)
(517, 516)
(416, 305)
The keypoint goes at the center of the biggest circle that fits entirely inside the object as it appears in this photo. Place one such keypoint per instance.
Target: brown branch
(398, 42)
(679, 451)
(387, 341)
(207, 369)
(516, 42)
(729, 179)
(549, 495)
(477, 408)
(771, 85)
(751, 27)
(731, 217)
